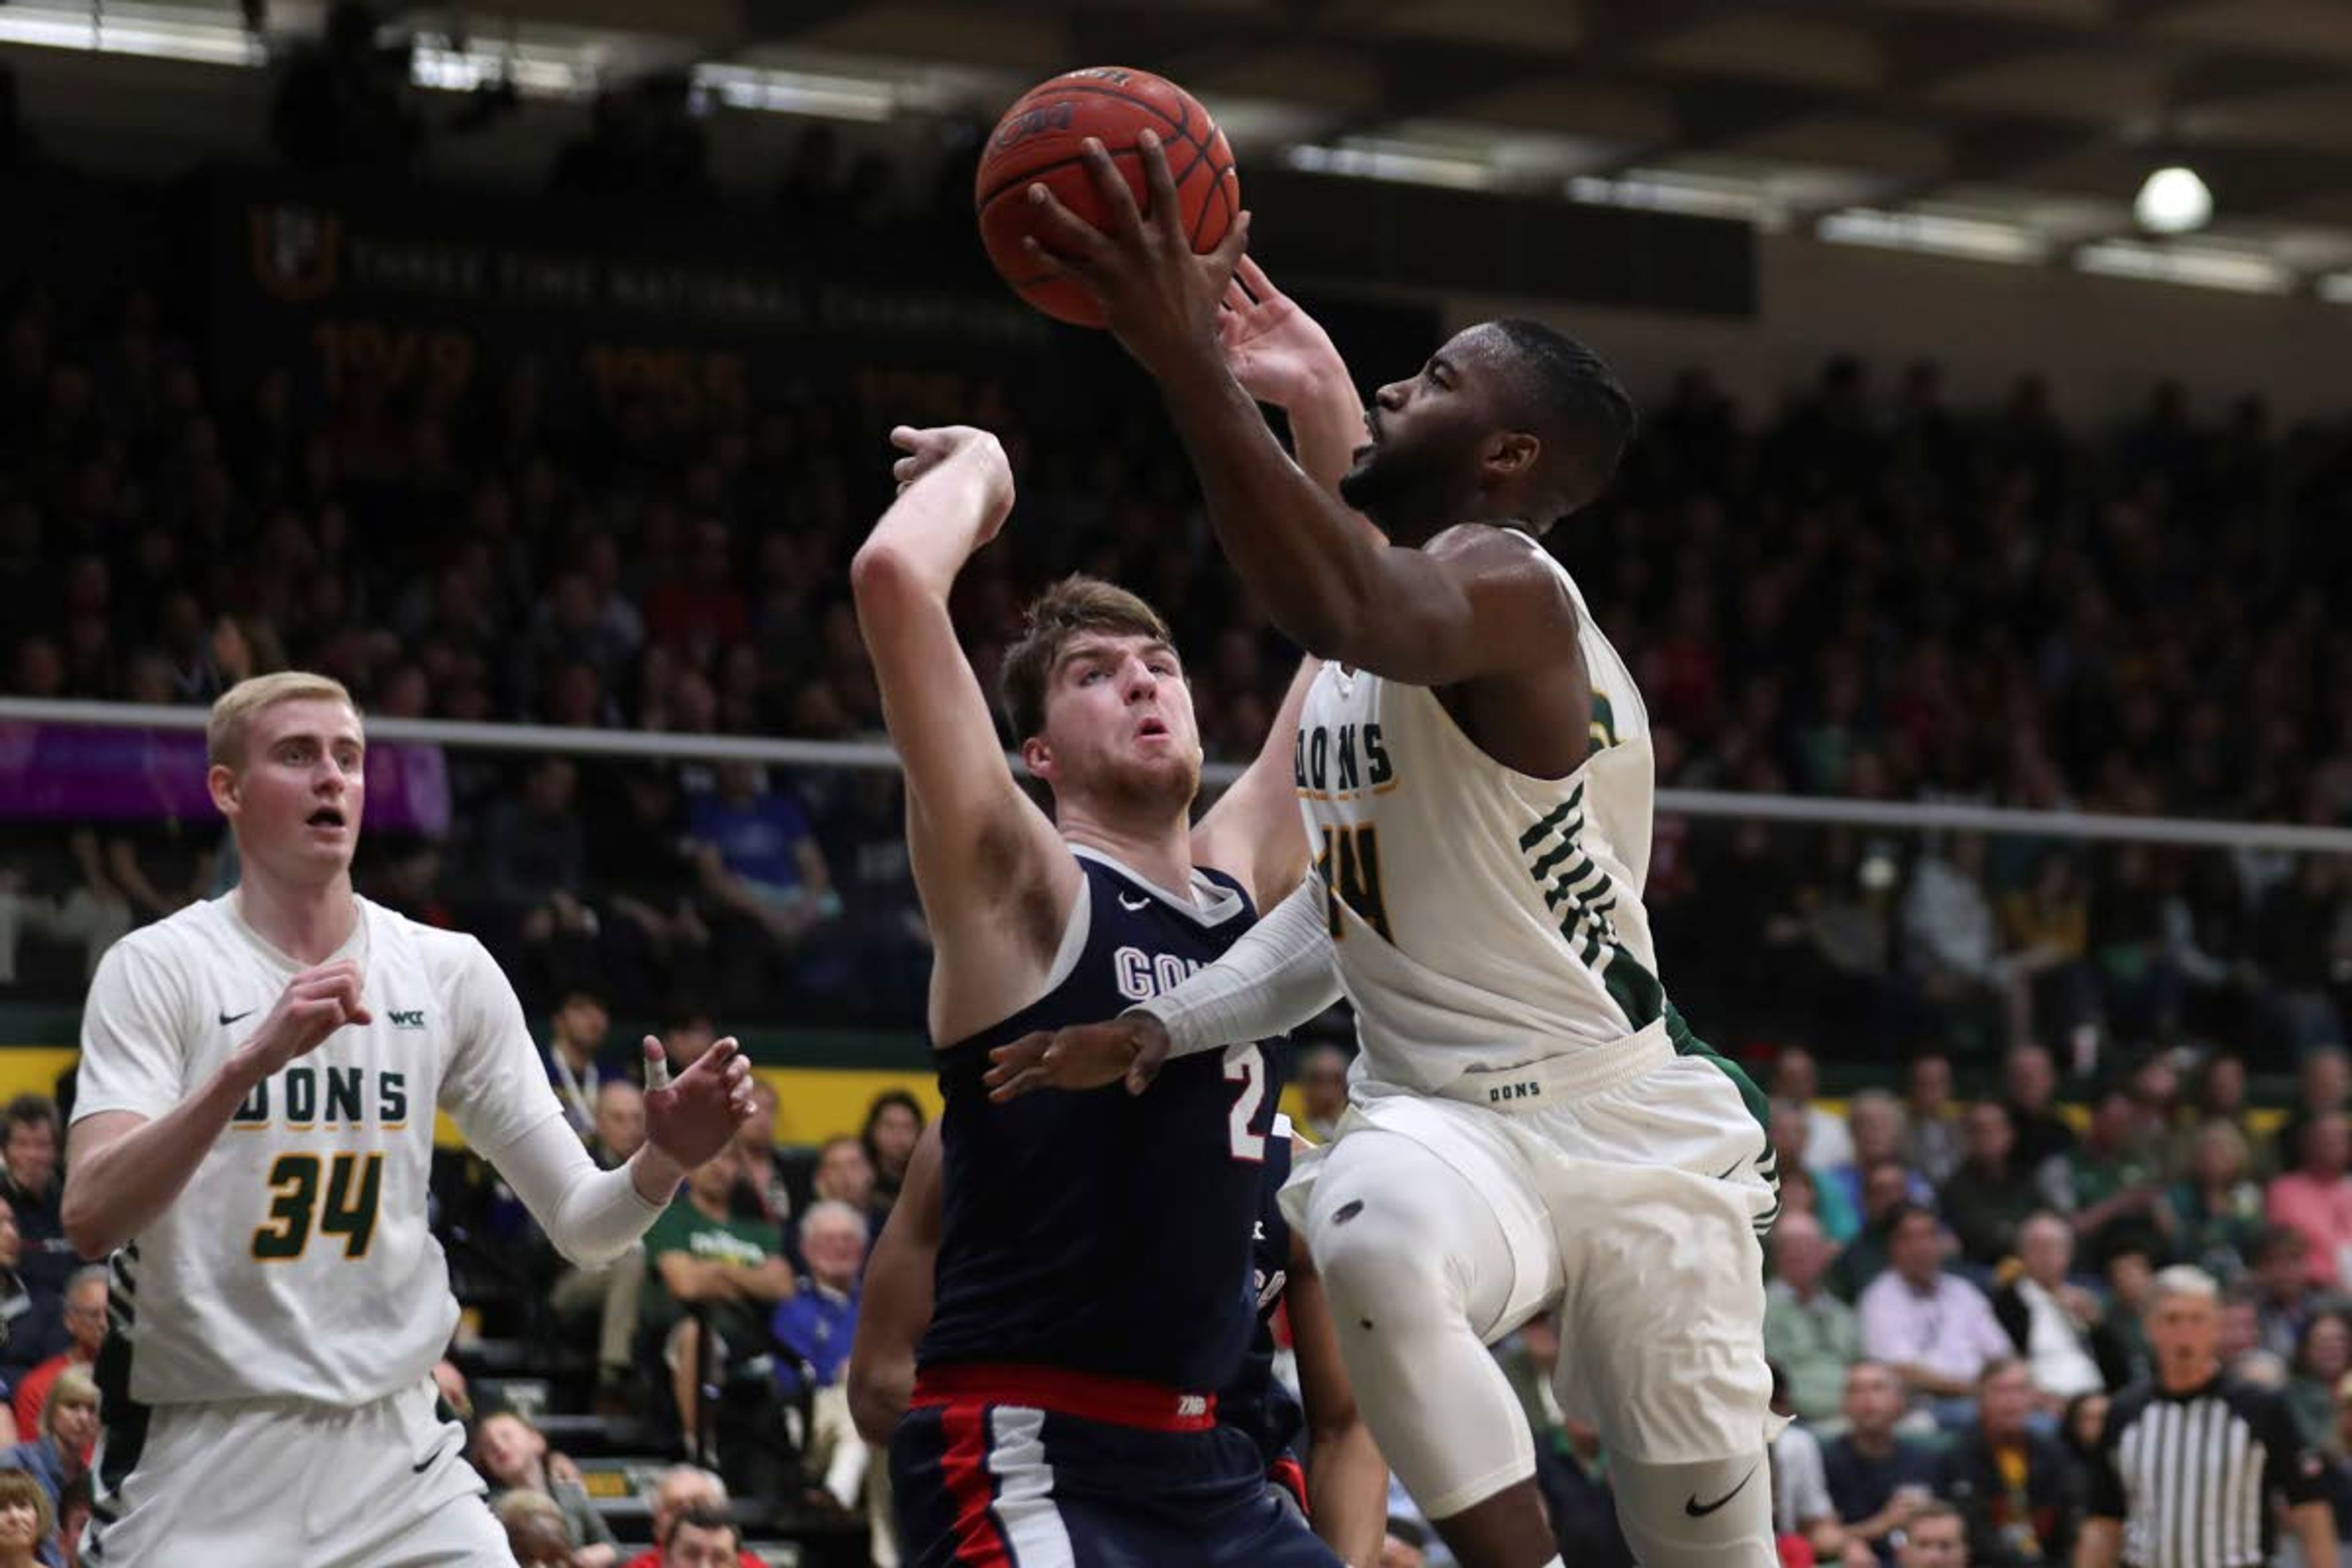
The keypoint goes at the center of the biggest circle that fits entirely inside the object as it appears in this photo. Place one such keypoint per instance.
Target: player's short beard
(1402, 490)
(1147, 787)
(1138, 789)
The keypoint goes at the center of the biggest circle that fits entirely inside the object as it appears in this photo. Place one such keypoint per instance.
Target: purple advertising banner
(71, 773)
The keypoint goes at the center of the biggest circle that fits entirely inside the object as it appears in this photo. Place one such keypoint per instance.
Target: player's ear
(1512, 453)
(221, 781)
(1038, 757)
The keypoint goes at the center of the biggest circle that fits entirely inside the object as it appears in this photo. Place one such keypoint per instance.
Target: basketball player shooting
(252, 1140)
(1532, 1124)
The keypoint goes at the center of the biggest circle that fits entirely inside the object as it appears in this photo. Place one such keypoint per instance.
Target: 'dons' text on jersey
(1105, 1232)
(297, 1261)
(1476, 908)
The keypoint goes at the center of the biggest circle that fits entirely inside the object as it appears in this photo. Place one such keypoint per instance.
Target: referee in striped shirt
(2189, 1464)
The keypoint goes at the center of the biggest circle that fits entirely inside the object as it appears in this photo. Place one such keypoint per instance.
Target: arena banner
(431, 295)
(82, 773)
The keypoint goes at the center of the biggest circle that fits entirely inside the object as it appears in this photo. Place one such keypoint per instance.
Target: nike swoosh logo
(228, 1018)
(1697, 1510)
(426, 1463)
(1139, 904)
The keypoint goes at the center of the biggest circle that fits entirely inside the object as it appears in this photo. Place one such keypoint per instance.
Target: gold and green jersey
(1482, 918)
(297, 1262)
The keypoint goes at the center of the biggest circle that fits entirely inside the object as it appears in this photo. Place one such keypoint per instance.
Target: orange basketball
(1042, 139)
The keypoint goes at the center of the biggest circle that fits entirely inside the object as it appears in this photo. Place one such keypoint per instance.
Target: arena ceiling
(2015, 130)
(2037, 119)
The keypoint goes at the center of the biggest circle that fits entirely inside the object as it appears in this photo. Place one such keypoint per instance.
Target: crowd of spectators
(1866, 594)
(1952, 1327)
(1881, 599)
(1956, 1289)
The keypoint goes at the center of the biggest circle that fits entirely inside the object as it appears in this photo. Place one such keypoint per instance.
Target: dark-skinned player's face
(1430, 436)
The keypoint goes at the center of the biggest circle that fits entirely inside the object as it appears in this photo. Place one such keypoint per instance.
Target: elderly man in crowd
(1810, 1335)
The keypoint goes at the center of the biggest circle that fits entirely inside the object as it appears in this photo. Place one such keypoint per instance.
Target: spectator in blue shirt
(1877, 1479)
(815, 1323)
(758, 854)
(764, 879)
(813, 1328)
(60, 1454)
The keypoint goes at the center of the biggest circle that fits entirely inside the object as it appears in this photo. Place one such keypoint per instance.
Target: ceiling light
(2173, 201)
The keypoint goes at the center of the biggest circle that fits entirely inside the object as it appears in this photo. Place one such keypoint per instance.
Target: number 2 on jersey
(1248, 1069)
(347, 1212)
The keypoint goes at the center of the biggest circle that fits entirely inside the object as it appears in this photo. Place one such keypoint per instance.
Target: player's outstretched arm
(981, 849)
(1487, 606)
(1278, 975)
(1254, 831)
(894, 1304)
(125, 1166)
(1347, 1479)
(495, 1089)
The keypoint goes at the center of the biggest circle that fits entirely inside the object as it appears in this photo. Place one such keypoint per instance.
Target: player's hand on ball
(1277, 351)
(692, 1118)
(1132, 1047)
(314, 1005)
(957, 452)
(1160, 297)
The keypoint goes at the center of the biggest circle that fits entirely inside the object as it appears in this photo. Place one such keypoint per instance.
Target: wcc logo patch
(411, 1019)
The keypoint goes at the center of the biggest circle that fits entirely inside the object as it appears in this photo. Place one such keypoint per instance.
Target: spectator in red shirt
(85, 1316)
(701, 609)
(2315, 1199)
(683, 1491)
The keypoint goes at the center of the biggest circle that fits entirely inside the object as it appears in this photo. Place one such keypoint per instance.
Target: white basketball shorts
(1632, 1184)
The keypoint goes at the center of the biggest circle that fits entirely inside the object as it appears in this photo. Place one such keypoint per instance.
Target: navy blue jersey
(1107, 1233)
(1255, 1401)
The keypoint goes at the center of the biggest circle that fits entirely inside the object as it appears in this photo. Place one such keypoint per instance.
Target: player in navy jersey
(1092, 1289)
(1342, 1487)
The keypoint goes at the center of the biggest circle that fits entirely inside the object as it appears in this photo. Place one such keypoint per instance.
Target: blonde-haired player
(252, 1139)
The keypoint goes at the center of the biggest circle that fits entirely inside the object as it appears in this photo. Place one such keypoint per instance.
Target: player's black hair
(704, 1519)
(1582, 396)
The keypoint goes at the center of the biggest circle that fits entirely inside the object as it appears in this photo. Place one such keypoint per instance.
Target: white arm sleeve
(592, 1216)
(1273, 979)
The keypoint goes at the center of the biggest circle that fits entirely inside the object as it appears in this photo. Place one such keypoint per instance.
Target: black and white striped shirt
(2191, 1475)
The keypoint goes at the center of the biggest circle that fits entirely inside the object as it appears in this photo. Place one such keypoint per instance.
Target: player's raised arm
(1489, 606)
(980, 847)
(495, 1089)
(894, 1303)
(1282, 356)
(1254, 831)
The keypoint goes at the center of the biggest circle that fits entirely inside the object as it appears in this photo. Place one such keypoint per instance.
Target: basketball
(1041, 139)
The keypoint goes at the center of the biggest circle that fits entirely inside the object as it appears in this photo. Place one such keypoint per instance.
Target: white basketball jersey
(1482, 918)
(297, 1262)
